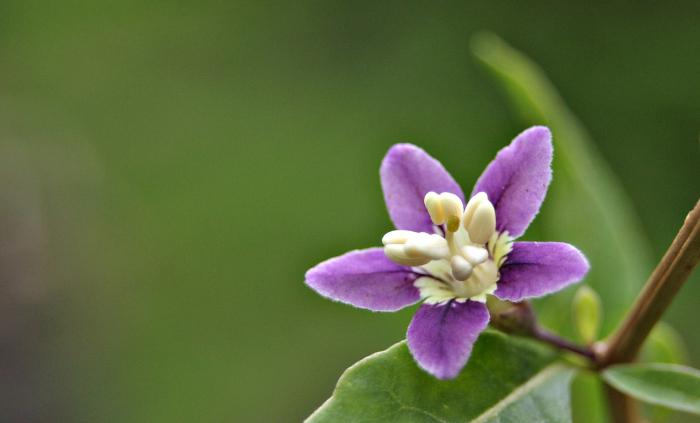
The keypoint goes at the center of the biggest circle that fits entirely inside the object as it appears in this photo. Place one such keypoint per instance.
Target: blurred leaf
(668, 385)
(664, 345)
(587, 399)
(587, 312)
(507, 379)
(586, 205)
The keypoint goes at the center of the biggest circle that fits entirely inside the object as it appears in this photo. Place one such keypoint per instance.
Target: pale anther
(397, 253)
(414, 248)
(479, 219)
(445, 208)
(397, 237)
(434, 206)
(427, 245)
(461, 268)
(475, 255)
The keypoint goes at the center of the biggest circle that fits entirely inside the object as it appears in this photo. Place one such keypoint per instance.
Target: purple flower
(451, 255)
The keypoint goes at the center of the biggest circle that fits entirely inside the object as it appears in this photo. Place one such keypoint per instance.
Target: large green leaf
(668, 385)
(507, 380)
(586, 205)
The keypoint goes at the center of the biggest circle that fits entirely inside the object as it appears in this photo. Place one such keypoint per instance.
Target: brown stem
(624, 344)
(663, 285)
(558, 342)
(519, 319)
(623, 409)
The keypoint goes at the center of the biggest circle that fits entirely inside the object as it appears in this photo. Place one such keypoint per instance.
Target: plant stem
(519, 319)
(663, 285)
(624, 344)
(623, 409)
(558, 342)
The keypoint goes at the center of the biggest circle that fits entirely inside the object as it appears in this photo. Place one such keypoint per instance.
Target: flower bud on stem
(520, 319)
(624, 344)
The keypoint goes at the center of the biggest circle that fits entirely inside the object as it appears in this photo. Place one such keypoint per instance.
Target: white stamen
(452, 208)
(461, 262)
(461, 268)
(434, 206)
(445, 208)
(475, 255)
(472, 203)
(397, 253)
(427, 245)
(397, 237)
(479, 219)
(414, 248)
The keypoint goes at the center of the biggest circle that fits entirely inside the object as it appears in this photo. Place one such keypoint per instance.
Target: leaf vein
(518, 392)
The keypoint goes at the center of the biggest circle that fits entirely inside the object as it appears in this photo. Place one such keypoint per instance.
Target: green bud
(587, 314)
(664, 345)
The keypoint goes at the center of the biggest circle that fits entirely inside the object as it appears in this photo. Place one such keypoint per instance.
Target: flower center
(461, 259)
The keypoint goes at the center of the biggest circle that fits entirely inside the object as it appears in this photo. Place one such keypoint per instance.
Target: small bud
(479, 219)
(664, 345)
(513, 318)
(587, 314)
(461, 269)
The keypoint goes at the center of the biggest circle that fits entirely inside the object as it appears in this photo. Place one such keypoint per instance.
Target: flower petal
(516, 180)
(533, 269)
(407, 174)
(365, 279)
(441, 337)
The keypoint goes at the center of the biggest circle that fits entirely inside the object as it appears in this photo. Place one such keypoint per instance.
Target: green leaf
(507, 380)
(664, 345)
(586, 204)
(668, 385)
(588, 399)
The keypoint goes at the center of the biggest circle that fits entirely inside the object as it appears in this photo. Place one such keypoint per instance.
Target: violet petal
(516, 180)
(441, 337)
(407, 174)
(534, 269)
(365, 279)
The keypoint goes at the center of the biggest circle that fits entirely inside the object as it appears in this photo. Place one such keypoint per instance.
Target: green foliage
(586, 204)
(668, 385)
(664, 345)
(588, 399)
(587, 312)
(193, 159)
(508, 379)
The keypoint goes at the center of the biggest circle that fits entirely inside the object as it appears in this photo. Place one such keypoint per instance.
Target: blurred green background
(169, 170)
